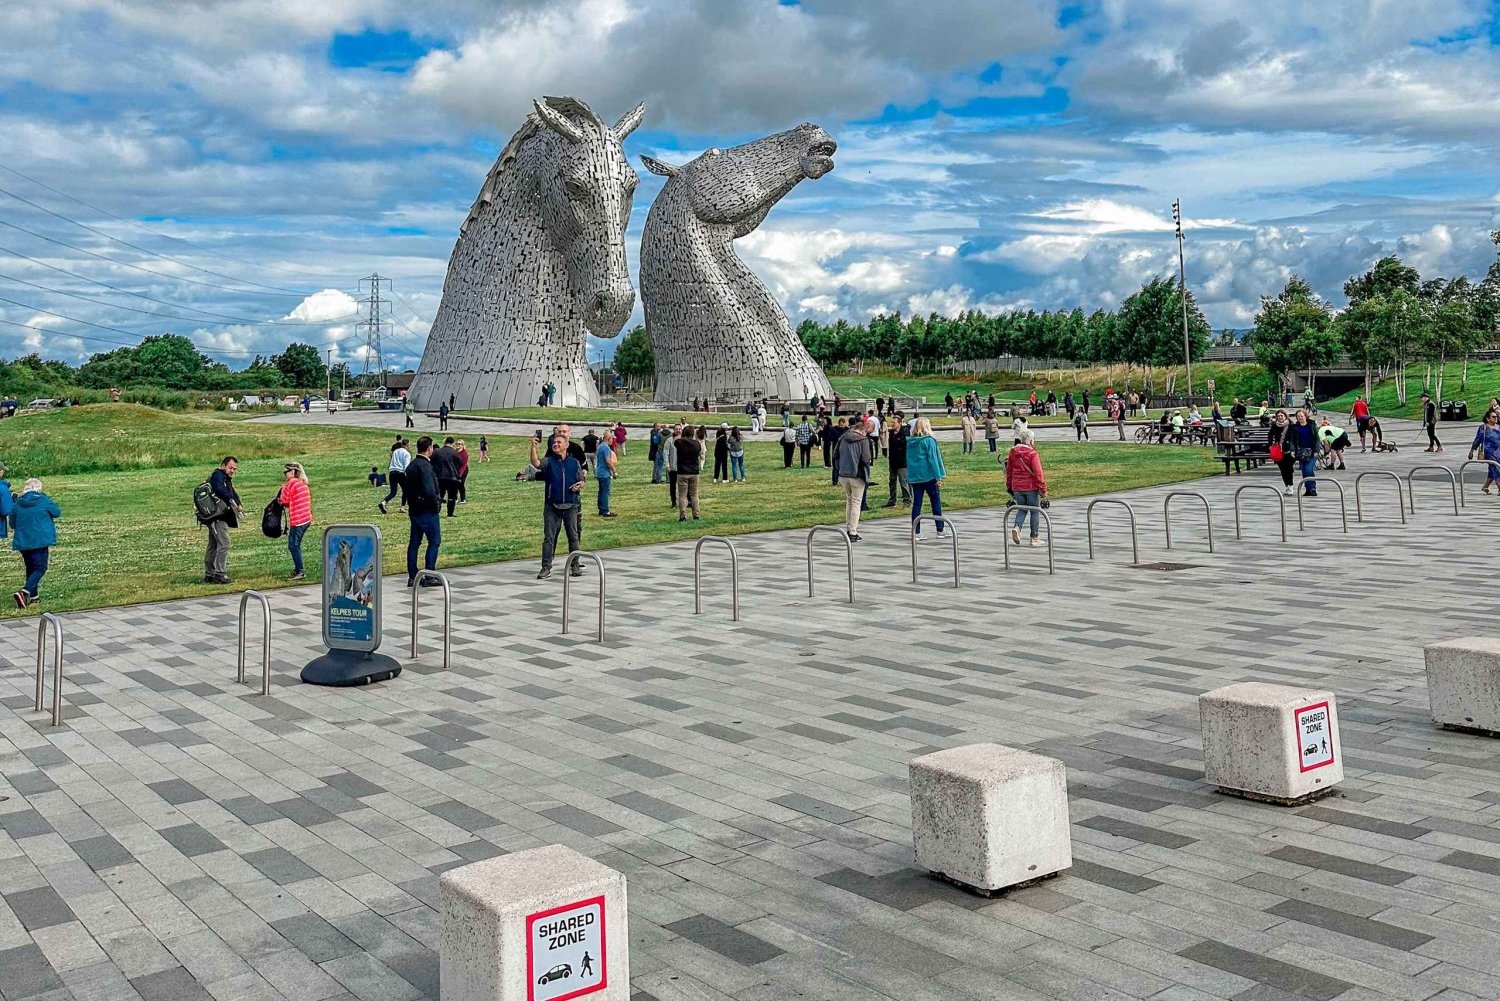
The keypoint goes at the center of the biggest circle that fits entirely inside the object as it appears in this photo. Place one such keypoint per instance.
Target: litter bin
(1446, 411)
(1461, 410)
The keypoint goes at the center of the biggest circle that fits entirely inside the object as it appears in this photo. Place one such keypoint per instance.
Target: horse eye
(575, 188)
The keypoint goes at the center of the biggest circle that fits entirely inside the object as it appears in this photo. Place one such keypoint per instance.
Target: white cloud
(329, 304)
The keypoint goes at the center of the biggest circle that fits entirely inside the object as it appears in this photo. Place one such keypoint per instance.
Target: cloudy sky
(229, 169)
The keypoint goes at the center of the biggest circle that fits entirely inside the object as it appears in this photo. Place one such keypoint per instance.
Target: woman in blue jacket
(31, 521)
(925, 472)
(1301, 442)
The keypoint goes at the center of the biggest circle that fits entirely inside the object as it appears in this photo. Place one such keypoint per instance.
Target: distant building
(397, 385)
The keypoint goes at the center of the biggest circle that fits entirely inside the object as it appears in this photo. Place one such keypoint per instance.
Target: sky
(229, 169)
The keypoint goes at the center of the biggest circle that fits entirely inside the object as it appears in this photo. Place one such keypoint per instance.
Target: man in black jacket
(424, 500)
(216, 558)
(445, 466)
(896, 456)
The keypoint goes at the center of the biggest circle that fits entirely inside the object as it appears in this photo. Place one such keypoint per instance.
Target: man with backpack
(218, 509)
(424, 499)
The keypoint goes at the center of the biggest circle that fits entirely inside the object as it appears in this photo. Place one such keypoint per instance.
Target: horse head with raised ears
(714, 327)
(583, 192)
(538, 266)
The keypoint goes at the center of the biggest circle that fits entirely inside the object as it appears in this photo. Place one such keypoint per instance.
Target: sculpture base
(342, 668)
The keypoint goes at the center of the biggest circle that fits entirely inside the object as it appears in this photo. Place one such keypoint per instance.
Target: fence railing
(576, 557)
(734, 573)
(1411, 487)
(848, 555)
(265, 641)
(1011, 526)
(1280, 504)
(1088, 519)
(1359, 508)
(1475, 462)
(1166, 514)
(442, 580)
(952, 533)
(48, 619)
(1329, 482)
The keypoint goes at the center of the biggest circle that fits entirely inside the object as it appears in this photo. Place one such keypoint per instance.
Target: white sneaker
(1289, 491)
(1036, 541)
(1015, 536)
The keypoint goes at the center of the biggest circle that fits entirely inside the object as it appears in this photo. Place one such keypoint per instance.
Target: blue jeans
(35, 561)
(430, 526)
(1030, 498)
(605, 485)
(737, 465)
(993, 443)
(660, 465)
(1310, 472)
(929, 488)
(294, 544)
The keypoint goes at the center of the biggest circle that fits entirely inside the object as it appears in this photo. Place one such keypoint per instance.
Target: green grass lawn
(124, 476)
(1484, 382)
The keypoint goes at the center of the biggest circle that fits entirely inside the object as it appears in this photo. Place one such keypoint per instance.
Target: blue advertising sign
(351, 587)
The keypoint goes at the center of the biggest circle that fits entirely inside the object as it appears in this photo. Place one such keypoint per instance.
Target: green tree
(1294, 330)
(300, 365)
(633, 357)
(1149, 325)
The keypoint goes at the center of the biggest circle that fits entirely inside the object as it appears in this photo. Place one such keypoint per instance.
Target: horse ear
(556, 122)
(657, 167)
(629, 121)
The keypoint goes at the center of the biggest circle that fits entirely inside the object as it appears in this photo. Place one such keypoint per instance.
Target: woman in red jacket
(296, 497)
(463, 470)
(1024, 480)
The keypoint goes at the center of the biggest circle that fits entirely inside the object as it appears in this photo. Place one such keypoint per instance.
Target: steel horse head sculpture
(539, 265)
(715, 328)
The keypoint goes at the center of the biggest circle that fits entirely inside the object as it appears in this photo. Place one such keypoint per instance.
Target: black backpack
(270, 518)
(206, 506)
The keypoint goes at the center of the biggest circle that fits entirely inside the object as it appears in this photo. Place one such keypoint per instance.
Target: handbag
(270, 518)
(1276, 453)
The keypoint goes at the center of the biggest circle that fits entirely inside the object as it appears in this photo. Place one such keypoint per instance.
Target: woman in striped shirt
(296, 497)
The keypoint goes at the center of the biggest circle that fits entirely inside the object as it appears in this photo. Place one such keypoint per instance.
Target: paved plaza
(183, 837)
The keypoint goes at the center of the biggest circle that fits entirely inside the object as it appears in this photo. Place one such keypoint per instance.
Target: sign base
(350, 667)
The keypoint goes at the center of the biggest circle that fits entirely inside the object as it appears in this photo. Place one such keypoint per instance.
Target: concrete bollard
(546, 924)
(1271, 742)
(1463, 684)
(989, 817)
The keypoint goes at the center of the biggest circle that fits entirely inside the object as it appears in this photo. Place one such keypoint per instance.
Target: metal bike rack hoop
(848, 553)
(1411, 489)
(1046, 519)
(1280, 503)
(952, 534)
(734, 573)
(265, 641)
(1166, 514)
(1359, 509)
(57, 663)
(1088, 520)
(1343, 504)
(1465, 465)
(442, 580)
(573, 558)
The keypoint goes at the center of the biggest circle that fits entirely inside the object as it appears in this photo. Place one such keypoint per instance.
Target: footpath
(183, 836)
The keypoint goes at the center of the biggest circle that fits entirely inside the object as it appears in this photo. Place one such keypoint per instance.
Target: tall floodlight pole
(328, 377)
(1187, 352)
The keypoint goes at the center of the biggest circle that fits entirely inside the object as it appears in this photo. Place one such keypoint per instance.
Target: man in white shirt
(396, 472)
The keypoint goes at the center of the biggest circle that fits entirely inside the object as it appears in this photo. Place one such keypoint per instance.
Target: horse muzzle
(606, 311)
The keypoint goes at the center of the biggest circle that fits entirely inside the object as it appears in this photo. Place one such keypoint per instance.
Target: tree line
(1393, 319)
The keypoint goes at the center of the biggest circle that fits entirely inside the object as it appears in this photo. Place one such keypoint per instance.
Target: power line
(137, 334)
(187, 243)
(148, 253)
(164, 302)
(151, 271)
(164, 316)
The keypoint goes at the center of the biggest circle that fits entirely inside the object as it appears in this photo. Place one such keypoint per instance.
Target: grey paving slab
(182, 837)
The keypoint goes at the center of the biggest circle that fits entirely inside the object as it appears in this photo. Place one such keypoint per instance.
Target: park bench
(1244, 443)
